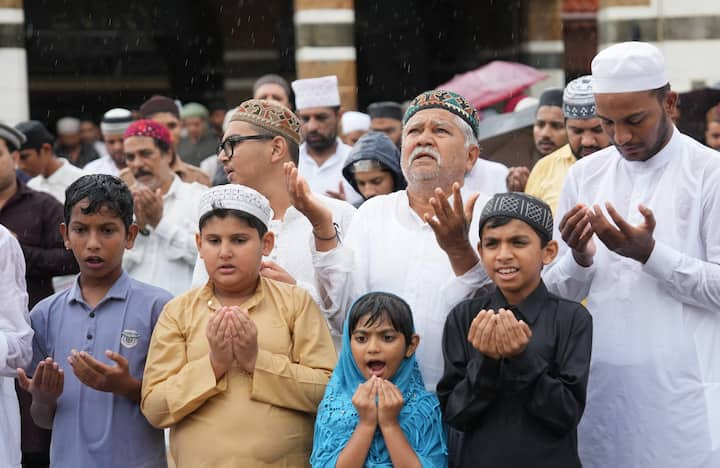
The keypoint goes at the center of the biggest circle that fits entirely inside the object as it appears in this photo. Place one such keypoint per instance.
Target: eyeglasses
(228, 146)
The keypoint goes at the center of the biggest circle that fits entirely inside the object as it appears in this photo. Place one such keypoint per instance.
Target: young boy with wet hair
(237, 368)
(517, 358)
(91, 340)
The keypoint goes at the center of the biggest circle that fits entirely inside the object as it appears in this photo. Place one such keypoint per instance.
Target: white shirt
(488, 177)
(390, 248)
(654, 391)
(102, 165)
(58, 181)
(15, 343)
(166, 257)
(327, 177)
(293, 252)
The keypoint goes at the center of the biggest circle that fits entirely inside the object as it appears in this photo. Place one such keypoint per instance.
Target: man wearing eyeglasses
(165, 210)
(261, 137)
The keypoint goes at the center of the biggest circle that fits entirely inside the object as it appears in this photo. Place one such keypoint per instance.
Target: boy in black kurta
(517, 358)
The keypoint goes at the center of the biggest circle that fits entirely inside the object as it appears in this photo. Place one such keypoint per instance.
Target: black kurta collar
(528, 310)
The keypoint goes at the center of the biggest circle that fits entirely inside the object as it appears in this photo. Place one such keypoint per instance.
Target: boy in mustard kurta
(237, 368)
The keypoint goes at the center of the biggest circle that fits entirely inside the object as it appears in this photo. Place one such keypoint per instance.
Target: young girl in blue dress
(376, 411)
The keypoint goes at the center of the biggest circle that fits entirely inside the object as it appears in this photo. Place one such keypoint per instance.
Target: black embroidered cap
(522, 206)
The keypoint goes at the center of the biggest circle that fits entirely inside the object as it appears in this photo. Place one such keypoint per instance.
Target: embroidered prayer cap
(159, 104)
(628, 67)
(385, 110)
(270, 115)
(316, 92)
(116, 121)
(578, 99)
(149, 128)
(522, 206)
(14, 138)
(237, 197)
(352, 121)
(194, 109)
(552, 97)
(67, 126)
(35, 133)
(448, 100)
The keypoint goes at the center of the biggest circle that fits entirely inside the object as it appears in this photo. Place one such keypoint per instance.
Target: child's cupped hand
(390, 402)
(365, 401)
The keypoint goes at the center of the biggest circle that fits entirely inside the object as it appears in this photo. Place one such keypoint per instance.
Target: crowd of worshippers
(398, 302)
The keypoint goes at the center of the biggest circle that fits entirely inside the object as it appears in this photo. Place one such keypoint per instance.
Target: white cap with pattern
(237, 197)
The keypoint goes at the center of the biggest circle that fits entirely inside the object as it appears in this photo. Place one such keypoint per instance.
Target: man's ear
(473, 155)
(412, 347)
(279, 148)
(132, 233)
(64, 234)
(549, 252)
(671, 101)
(268, 242)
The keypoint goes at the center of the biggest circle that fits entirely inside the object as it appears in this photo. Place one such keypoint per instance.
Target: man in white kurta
(113, 126)
(259, 165)
(654, 288)
(322, 154)
(166, 209)
(15, 344)
(415, 243)
(487, 177)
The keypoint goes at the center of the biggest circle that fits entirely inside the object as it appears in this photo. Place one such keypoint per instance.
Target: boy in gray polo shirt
(91, 340)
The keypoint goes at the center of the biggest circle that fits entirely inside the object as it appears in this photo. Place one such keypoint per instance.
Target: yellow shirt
(547, 177)
(255, 420)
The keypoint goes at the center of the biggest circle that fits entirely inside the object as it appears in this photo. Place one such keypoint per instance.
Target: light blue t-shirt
(93, 428)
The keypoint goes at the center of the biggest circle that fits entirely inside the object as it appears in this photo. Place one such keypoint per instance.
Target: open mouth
(507, 273)
(94, 261)
(376, 368)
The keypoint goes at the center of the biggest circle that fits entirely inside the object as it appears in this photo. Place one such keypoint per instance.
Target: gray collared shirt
(93, 428)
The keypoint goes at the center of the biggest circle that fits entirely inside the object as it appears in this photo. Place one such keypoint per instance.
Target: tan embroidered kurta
(263, 419)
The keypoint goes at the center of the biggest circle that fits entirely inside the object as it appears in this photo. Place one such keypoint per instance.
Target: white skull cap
(237, 197)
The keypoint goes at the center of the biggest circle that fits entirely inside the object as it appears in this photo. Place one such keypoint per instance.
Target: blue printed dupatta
(420, 417)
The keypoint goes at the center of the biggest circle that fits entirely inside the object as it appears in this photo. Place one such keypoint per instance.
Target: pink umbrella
(494, 82)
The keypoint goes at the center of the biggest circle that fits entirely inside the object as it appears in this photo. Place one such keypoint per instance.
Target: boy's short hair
(503, 207)
(101, 190)
(223, 213)
(382, 305)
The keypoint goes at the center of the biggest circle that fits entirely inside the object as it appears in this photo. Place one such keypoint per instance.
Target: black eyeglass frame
(231, 141)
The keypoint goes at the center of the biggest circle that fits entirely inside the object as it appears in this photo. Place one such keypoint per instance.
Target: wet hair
(379, 306)
(101, 190)
(223, 213)
(498, 221)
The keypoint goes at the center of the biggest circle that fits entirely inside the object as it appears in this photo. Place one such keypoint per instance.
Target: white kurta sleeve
(178, 238)
(691, 280)
(15, 332)
(564, 277)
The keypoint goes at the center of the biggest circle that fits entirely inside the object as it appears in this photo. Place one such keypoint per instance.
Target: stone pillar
(579, 20)
(543, 47)
(325, 44)
(13, 63)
